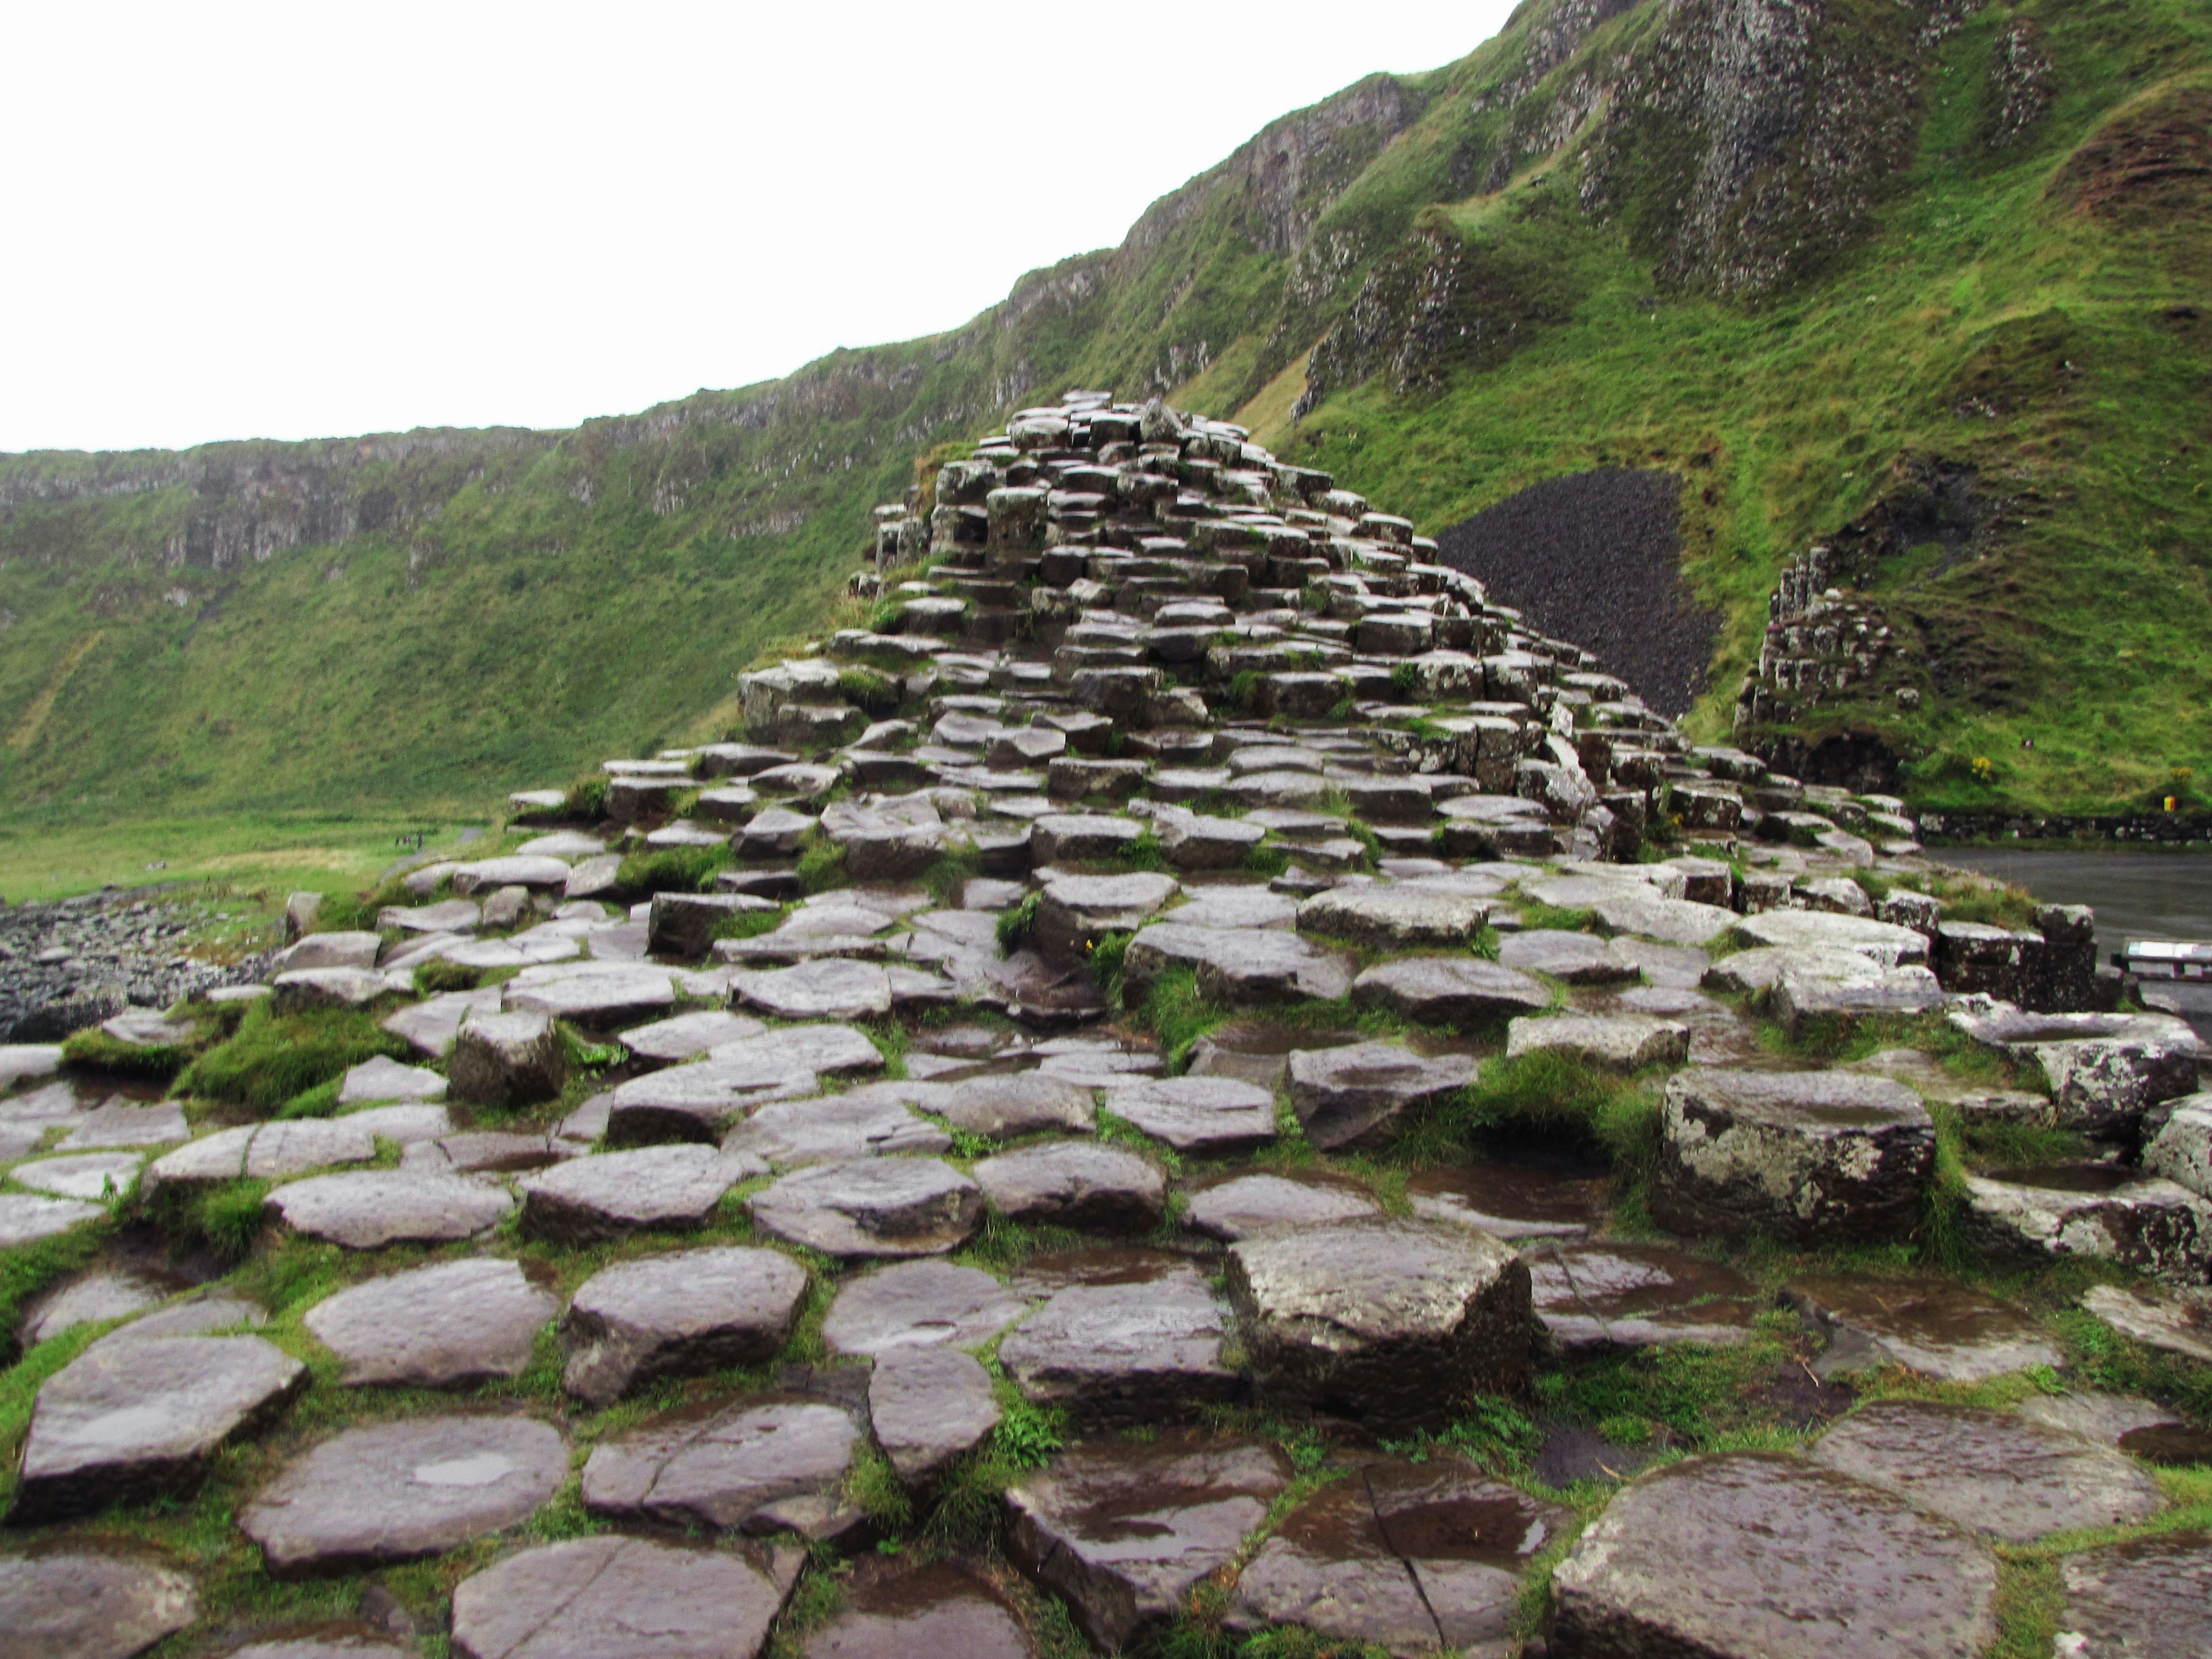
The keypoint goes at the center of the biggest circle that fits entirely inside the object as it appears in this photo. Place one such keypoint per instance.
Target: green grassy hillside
(1901, 237)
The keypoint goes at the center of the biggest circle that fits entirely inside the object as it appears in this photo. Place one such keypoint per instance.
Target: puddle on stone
(1514, 1198)
(1105, 1265)
(889, 1588)
(2071, 1177)
(2170, 1445)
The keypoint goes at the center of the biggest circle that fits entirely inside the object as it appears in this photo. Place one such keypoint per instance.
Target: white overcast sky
(304, 219)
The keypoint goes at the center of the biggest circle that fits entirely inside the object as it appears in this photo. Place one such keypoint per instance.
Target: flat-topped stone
(1591, 1296)
(91, 1300)
(399, 1491)
(2147, 1598)
(1384, 1320)
(876, 1119)
(1813, 1156)
(929, 1406)
(507, 1059)
(2173, 1321)
(263, 1151)
(126, 1422)
(1212, 1116)
(385, 1078)
(1250, 1206)
(2103, 1071)
(2101, 1210)
(1575, 958)
(611, 1597)
(1241, 967)
(1511, 1200)
(612, 1194)
(1234, 907)
(1932, 1326)
(1395, 915)
(1613, 1042)
(85, 1602)
(25, 1218)
(1448, 991)
(453, 1322)
(1076, 912)
(1139, 1347)
(369, 1209)
(1758, 1555)
(876, 1206)
(96, 1177)
(1884, 943)
(1410, 1557)
(686, 1037)
(1989, 1472)
(1353, 1096)
(939, 1608)
(681, 1315)
(1071, 1183)
(1125, 1531)
(1008, 1105)
(114, 1123)
(754, 1465)
(829, 988)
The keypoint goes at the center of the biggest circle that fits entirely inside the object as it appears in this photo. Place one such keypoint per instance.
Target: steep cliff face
(1775, 244)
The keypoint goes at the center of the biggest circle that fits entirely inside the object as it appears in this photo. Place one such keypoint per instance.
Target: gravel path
(78, 962)
(1595, 557)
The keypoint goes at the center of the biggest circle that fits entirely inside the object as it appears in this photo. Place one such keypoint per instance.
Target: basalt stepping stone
(1575, 958)
(1814, 1157)
(1125, 1530)
(118, 1124)
(201, 1314)
(487, 1151)
(600, 994)
(1210, 1116)
(26, 1063)
(827, 1050)
(698, 1101)
(399, 1491)
(453, 1322)
(329, 987)
(86, 1603)
(1395, 915)
(1241, 967)
(1077, 911)
(919, 1304)
(754, 1466)
(611, 1597)
(1449, 991)
(875, 1206)
(432, 1024)
(929, 1406)
(941, 1608)
(1932, 1326)
(2103, 1071)
(507, 1059)
(666, 1042)
(829, 988)
(1072, 1183)
(90, 1301)
(1410, 1557)
(1352, 1096)
(1234, 908)
(1512, 1201)
(1884, 943)
(877, 1119)
(682, 1314)
(2107, 1419)
(371, 1208)
(611, 1195)
(1247, 1206)
(1758, 1555)
(96, 1177)
(1385, 1320)
(124, 1422)
(1639, 1296)
(1612, 1043)
(2101, 1210)
(2149, 1598)
(1015, 1103)
(1668, 921)
(384, 1079)
(1140, 1348)
(1990, 1472)
(2173, 1321)
(264, 1151)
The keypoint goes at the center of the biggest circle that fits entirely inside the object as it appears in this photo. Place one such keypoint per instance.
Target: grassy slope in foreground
(1987, 285)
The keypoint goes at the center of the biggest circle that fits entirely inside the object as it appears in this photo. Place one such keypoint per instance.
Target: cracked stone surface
(611, 1597)
(684, 1313)
(453, 1321)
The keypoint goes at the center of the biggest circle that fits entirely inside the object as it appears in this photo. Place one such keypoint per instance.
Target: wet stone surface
(1639, 1296)
(1124, 1530)
(1139, 1342)
(1990, 1472)
(1760, 1556)
(1931, 1326)
(2146, 1599)
(80, 1603)
(1513, 1199)
(454, 1322)
(889, 1206)
(395, 1492)
(680, 1314)
(611, 1597)
(929, 1406)
(1250, 1206)
(756, 1465)
(937, 1609)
